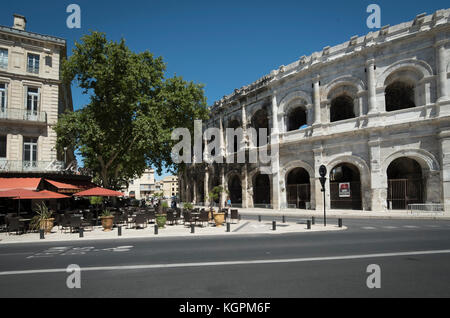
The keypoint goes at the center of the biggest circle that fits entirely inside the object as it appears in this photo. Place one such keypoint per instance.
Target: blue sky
(222, 44)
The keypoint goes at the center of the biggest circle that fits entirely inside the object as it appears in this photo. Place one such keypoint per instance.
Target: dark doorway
(296, 119)
(405, 183)
(235, 190)
(342, 108)
(298, 188)
(345, 187)
(399, 95)
(261, 189)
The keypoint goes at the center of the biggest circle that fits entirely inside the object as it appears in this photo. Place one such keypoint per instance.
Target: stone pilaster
(445, 168)
(371, 86)
(277, 200)
(244, 186)
(317, 110)
(378, 181)
(206, 186)
(441, 62)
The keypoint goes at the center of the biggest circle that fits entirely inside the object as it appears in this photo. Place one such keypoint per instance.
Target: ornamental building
(374, 110)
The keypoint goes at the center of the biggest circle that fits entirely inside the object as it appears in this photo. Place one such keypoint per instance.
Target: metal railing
(23, 115)
(433, 208)
(31, 166)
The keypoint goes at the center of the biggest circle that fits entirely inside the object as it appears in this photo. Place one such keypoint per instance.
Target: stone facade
(374, 110)
(143, 186)
(32, 98)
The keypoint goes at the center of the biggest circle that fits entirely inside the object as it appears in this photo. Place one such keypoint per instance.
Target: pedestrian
(229, 203)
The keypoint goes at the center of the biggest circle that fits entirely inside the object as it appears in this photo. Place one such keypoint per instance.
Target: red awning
(43, 195)
(63, 187)
(99, 192)
(24, 194)
(19, 183)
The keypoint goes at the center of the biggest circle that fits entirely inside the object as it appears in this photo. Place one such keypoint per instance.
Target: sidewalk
(244, 227)
(346, 214)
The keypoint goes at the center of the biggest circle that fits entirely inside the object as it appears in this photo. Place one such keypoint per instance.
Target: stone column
(244, 186)
(318, 161)
(317, 110)
(442, 71)
(244, 128)
(275, 158)
(194, 199)
(206, 186)
(222, 141)
(222, 183)
(378, 181)
(371, 86)
(445, 169)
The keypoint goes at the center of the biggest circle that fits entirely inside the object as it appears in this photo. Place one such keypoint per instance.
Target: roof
(99, 192)
(33, 35)
(24, 194)
(63, 186)
(19, 183)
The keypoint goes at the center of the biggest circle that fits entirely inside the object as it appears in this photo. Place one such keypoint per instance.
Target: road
(414, 258)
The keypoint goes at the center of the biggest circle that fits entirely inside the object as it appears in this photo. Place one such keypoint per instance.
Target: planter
(161, 220)
(219, 218)
(107, 223)
(47, 225)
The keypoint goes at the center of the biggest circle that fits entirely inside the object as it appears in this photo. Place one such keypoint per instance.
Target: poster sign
(344, 190)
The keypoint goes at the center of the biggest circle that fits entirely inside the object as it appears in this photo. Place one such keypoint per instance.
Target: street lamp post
(323, 179)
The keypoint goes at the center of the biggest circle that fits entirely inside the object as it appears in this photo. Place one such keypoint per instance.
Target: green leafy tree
(133, 109)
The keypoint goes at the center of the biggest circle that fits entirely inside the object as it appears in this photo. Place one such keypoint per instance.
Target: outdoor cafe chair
(234, 215)
(188, 217)
(88, 221)
(75, 222)
(204, 217)
(13, 224)
(140, 220)
(65, 222)
(171, 217)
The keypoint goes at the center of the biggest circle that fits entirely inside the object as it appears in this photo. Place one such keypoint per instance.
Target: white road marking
(368, 228)
(228, 263)
(390, 227)
(410, 226)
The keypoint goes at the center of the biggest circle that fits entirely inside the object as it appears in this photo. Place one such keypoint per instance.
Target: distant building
(170, 186)
(142, 187)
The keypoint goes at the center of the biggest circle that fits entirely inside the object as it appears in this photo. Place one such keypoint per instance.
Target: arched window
(399, 95)
(234, 124)
(296, 119)
(342, 108)
(260, 120)
(261, 189)
(235, 189)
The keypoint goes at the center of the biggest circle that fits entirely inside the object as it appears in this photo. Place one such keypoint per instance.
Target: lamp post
(65, 156)
(323, 179)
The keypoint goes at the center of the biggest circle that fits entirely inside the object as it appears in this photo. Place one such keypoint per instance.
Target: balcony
(23, 115)
(31, 166)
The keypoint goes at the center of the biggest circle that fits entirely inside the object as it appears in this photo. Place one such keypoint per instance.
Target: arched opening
(235, 190)
(342, 108)
(261, 190)
(296, 119)
(399, 95)
(345, 187)
(405, 183)
(261, 121)
(298, 189)
(234, 125)
(201, 191)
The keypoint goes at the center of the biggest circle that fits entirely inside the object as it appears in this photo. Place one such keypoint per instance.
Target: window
(4, 58)
(399, 95)
(2, 147)
(33, 63)
(32, 101)
(341, 108)
(30, 151)
(3, 97)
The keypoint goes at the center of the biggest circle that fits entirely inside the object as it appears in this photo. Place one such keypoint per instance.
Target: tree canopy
(126, 127)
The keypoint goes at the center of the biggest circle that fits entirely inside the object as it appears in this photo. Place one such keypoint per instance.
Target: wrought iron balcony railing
(31, 166)
(23, 115)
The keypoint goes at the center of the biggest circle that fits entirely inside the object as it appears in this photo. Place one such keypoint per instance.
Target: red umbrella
(42, 195)
(16, 193)
(99, 192)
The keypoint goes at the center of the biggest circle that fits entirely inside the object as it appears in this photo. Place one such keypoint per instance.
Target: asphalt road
(322, 264)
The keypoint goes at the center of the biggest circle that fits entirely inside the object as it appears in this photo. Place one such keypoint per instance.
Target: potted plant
(107, 220)
(161, 220)
(188, 206)
(215, 194)
(164, 206)
(42, 220)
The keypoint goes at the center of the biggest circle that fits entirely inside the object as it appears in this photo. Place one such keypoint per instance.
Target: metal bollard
(119, 231)
(156, 229)
(192, 228)
(41, 234)
(308, 224)
(313, 220)
(259, 218)
(81, 232)
(284, 219)
(340, 222)
(228, 227)
(274, 225)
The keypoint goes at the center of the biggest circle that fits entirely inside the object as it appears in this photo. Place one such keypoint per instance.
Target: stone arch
(291, 166)
(346, 80)
(364, 172)
(228, 179)
(419, 67)
(291, 97)
(251, 182)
